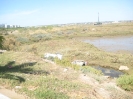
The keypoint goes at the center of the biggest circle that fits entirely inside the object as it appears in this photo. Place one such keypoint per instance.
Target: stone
(18, 87)
(65, 70)
(2, 51)
(79, 62)
(123, 68)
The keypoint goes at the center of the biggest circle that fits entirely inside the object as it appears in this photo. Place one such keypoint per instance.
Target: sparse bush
(22, 40)
(118, 93)
(59, 33)
(10, 43)
(49, 94)
(67, 63)
(88, 69)
(51, 88)
(3, 31)
(39, 37)
(69, 32)
(33, 49)
(1, 41)
(126, 82)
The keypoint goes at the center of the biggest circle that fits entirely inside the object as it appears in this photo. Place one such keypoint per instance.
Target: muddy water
(113, 44)
(109, 71)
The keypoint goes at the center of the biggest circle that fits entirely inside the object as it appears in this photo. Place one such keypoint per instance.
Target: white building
(8, 26)
(3, 26)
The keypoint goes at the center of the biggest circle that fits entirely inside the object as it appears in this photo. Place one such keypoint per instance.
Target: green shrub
(67, 63)
(88, 69)
(34, 49)
(39, 37)
(10, 43)
(49, 94)
(126, 82)
(3, 31)
(1, 41)
(84, 69)
(22, 40)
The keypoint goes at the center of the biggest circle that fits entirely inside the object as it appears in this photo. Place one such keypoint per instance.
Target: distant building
(9, 26)
(14, 26)
(115, 22)
(3, 26)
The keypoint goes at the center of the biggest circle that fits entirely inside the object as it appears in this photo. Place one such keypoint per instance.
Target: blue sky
(46, 12)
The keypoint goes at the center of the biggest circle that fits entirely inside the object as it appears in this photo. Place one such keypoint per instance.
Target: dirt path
(102, 90)
(105, 89)
(11, 94)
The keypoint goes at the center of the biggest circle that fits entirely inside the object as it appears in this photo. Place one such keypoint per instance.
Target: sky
(48, 12)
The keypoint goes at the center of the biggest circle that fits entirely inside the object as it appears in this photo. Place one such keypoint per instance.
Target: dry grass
(75, 49)
(44, 78)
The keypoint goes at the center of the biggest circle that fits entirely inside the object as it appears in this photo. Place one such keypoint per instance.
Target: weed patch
(67, 63)
(49, 94)
(88, 69)
(126, 82)
(40, 37)
(50, 87)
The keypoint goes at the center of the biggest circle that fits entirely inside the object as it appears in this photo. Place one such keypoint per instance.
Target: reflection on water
(109, 71)
(113, 44)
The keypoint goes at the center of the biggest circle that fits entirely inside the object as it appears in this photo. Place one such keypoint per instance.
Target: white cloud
(22, 13)
(18, 14)
(25, 12)
(18, 17)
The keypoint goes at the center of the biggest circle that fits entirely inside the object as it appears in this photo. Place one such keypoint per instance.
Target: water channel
(109, 71)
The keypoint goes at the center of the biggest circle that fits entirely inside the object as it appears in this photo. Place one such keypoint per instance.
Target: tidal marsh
(44, 80)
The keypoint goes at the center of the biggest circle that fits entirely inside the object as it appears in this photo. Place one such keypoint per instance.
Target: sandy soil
(11, 93)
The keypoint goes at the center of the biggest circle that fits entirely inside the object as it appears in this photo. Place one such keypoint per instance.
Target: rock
(123, 68)
(65, 70)
(79, 62)
(52, 56)
(2, 51)
(18, 87)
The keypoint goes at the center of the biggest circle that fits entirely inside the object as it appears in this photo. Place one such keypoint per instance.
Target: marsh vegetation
(23, 64)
